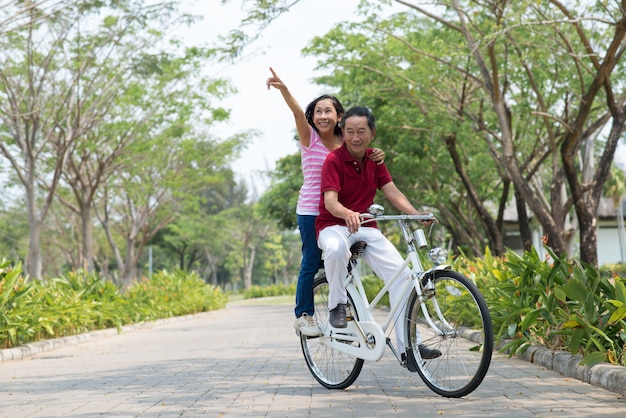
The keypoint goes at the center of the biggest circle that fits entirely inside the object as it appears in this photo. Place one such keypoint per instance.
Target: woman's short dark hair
(360, 111)
(310, 109)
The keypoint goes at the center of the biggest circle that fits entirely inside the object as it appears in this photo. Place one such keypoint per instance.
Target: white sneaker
(307, 326)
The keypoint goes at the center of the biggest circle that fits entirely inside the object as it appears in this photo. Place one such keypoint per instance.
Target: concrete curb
(606, 376)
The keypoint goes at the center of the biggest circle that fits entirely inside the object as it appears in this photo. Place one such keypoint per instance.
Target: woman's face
(325, 116)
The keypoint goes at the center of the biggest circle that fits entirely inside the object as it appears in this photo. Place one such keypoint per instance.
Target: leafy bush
(372, 285)
(172, 294)
(267, 291)
(32, 310)
(16, 311)
(610, 270)
(561, 304)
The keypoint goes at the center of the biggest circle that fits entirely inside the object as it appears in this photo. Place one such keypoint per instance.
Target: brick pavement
(245, 360)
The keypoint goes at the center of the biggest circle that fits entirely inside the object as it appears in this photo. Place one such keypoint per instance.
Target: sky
(254, 107)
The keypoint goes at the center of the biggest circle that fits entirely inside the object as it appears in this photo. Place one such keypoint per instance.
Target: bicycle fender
(343, 340)
(431, 272)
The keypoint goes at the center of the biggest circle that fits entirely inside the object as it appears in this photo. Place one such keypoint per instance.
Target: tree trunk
(87, 256)
(460, 234)
(524, 224)
(33, 264)
(247, 274)
(104, 222)
(589, 240)
(129, 273)
(496, 242)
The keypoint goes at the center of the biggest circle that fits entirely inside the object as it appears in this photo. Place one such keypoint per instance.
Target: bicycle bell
(376, 210)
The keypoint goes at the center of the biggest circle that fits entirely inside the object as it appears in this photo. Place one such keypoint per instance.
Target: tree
(417, 126)
(56, 90)
(280, 199)
(540, 108)
(504, 40)
(37, 128)
(97, 83)
(196, 238)
(113, 101)
(246, 230)
(169, 166)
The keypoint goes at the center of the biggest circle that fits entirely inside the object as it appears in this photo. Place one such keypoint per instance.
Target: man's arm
(398, 199)
(400, 202)
(332, 204)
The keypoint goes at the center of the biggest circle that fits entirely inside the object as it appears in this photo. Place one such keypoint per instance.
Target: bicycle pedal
(349, 318)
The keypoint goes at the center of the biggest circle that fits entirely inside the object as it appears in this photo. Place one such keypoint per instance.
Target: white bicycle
(444, 311)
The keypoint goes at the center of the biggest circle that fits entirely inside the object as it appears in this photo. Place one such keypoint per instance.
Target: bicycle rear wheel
(467, 342)
(331, 368)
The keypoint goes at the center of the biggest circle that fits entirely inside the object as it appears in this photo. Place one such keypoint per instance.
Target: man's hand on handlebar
(353, 221)
(428, 222)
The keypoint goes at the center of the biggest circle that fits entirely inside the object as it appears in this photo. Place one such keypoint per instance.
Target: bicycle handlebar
(368, 217)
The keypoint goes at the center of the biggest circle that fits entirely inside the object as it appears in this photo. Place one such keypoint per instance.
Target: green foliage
(31, 310)
(280, 199)
(266, 291)
(372, 285)
(172, 294)
(559, 303)
(610, 270)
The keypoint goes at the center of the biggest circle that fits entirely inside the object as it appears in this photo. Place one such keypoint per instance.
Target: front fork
(428, 292)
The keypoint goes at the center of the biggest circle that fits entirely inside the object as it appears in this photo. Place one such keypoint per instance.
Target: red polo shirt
(355, 182)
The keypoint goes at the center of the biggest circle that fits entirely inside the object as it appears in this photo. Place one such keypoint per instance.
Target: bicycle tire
(467, 346)
(331, 368)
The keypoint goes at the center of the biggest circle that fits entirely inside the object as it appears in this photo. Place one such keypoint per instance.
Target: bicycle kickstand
(395, 352)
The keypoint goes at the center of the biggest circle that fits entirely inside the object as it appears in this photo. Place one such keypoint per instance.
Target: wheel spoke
(331, 368)
(467, 343)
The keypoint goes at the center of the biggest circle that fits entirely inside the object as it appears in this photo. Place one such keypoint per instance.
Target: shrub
(372, 284)
(32, 310)
(561, 304)
(172, 294)
(267, 291)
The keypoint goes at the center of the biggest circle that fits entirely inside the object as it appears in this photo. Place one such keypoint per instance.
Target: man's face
(357, 135)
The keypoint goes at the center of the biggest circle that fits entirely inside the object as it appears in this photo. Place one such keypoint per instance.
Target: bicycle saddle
(357, 250)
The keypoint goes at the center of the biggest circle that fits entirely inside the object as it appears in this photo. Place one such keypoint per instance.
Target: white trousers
(335, 241)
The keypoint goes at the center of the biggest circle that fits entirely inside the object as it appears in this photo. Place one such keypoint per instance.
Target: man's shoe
(428, 353)
(306, 325)
(425, 352)
(338, 316)
(408, 362)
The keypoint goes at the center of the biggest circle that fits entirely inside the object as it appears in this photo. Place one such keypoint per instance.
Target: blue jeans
(311, 262)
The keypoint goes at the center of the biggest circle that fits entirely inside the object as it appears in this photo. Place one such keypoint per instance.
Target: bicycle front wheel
(463, 334)
(331, 368)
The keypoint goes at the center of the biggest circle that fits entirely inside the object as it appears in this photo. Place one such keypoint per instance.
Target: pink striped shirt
(313, 158)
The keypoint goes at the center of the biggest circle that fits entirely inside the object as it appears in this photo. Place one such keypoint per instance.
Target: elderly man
(349, 184)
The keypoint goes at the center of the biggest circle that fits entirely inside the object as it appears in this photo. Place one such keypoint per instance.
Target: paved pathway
(245, 361)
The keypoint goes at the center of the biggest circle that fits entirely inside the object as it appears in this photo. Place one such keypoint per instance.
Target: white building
(611, 249)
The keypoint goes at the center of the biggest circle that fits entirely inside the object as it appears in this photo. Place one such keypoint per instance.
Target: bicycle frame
(369, 332)
(451, 353)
